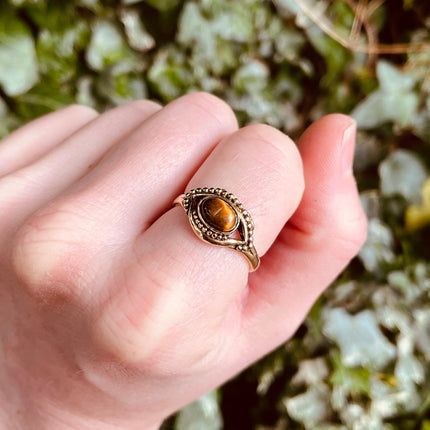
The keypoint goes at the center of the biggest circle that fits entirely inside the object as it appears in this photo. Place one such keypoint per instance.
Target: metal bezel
(244, 226)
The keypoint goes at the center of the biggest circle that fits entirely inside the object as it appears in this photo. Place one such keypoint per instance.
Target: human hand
(112, 313)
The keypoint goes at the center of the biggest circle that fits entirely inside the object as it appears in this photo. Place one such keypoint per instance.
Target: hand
(113, 314)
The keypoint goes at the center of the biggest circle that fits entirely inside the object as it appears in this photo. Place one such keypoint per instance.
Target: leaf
(57, 51)
(137, 36)
(107, 47)
(310, 408)
(336, 56)
(310, 372)
(403, 173)
(203, 414)
(8, 121)
(168, 74)
(42, 99)
(378, 250)
(18, 63)
(391, 79)
(394, 100)
(252, 77)
(118, 85)
(359, 338)
(356, 380)
(210, 35)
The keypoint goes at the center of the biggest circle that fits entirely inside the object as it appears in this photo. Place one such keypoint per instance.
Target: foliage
(360, 360)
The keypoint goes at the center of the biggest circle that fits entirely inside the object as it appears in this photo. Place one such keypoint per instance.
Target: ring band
(217, 217)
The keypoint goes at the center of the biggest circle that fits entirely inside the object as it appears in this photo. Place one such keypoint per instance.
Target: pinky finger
(30, 142)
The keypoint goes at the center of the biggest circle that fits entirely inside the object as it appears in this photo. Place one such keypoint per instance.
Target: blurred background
(361, 359)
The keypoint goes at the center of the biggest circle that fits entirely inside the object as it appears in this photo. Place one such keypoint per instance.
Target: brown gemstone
(218, 214)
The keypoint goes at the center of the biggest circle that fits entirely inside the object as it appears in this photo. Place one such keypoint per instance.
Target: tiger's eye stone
(218, 214)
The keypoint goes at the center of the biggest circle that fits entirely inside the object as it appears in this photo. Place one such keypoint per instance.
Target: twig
(372, 47)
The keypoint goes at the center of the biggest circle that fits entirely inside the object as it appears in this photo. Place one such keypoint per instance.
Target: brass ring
(217, 217)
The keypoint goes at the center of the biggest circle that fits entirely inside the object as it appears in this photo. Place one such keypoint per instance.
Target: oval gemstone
(218, 214)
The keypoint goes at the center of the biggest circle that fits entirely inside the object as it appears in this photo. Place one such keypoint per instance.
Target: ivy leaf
(403, 173)
(203, 414)
(18, 63)
(137, 36)
(108, 46)
(42, 99)
(310, 408)
(359, 338)
(8, 121)
(378, 250)
(354, 379)
(57, 50)
(168, 74)
(394, 101)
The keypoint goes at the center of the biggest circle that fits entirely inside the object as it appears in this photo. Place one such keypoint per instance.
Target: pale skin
(113, 314)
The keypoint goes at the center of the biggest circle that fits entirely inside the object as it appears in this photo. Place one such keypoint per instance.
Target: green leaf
(403, 173)
(119, 86)
(354, 379)
(359, 338)
(203, 414)
(311, 408)
(8, 121)
(55, 16)
(58, 51)
(168, 75)
(137, 36)
(395, 100)
(18, 63)
(336, 56)
(107, 47)
(43, 98)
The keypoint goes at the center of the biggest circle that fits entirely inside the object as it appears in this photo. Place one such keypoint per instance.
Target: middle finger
(81, 231)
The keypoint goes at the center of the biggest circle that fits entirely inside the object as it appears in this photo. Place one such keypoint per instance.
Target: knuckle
(275, 156)
(283, 148)
(82, 110)
(213, 106)
(48, 256)
(143, 106)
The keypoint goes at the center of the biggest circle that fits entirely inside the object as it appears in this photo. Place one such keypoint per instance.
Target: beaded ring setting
(217, 217)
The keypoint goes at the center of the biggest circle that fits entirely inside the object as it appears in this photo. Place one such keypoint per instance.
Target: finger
(179, 288)
(33, 186)
(31, 141)
(139, 178)
(325, 232)
(82, 230)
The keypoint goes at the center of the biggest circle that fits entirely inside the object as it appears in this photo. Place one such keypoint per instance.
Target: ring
(217, 217)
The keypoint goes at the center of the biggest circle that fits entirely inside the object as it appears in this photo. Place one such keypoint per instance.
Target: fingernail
(348, 146)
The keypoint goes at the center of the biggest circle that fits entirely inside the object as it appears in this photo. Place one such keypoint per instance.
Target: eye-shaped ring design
(217, 217)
